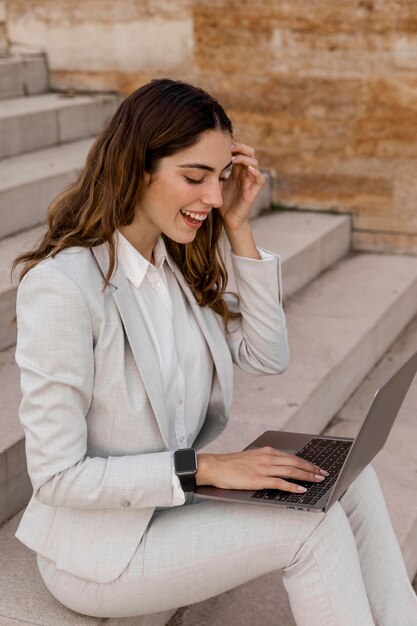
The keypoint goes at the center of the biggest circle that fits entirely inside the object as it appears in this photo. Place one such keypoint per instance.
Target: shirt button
(125, 503)
(182, 439)
(157, 284)
(180, 401)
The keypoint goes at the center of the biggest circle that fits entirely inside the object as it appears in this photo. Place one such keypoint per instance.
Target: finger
(302, 465)
(291, 467)
(287, 471)
(284, 458)
(259, 177)
(244, 148)
(279, 483)
(243, 159)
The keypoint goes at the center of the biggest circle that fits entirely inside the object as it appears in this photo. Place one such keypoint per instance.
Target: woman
(126, 340)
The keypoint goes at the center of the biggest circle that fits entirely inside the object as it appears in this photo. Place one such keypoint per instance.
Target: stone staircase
(350, 319)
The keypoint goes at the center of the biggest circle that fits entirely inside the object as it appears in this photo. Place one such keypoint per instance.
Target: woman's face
(186, 184)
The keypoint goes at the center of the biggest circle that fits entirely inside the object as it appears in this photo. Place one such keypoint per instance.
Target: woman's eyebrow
(201, 166)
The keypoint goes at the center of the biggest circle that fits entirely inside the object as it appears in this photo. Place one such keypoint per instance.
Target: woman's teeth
(195, 216)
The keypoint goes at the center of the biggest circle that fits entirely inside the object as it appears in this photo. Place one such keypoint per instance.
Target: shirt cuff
(178, 495)
(265, 255)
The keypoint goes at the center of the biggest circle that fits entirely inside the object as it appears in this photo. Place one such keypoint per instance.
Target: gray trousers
(342, 568)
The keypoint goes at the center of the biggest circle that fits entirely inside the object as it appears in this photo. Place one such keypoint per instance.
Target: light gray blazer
(98, 440)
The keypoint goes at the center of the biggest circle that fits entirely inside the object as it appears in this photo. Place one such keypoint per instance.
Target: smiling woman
(126, 345)
(140, 180)
(173, 203)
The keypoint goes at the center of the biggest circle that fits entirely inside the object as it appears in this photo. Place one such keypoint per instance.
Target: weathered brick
(385, 242)
(387, 121)
(325, 91)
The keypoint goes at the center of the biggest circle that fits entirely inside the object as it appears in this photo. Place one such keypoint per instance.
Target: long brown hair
(156, 121)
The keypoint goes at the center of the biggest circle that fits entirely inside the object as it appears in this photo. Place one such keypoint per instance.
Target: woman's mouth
(194, 220)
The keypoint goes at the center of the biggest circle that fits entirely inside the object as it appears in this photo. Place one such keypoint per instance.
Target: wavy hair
(157, 120)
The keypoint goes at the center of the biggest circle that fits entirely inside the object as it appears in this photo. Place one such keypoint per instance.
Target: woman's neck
(144, 245)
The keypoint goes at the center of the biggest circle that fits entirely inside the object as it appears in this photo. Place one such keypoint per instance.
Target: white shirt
(184, 357)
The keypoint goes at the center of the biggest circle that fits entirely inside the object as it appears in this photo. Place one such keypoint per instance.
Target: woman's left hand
(241, 188)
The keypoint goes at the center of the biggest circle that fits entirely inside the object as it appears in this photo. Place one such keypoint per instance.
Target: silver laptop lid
(376, 427)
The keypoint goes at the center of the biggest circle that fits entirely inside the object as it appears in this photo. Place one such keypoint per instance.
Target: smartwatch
(185, 467)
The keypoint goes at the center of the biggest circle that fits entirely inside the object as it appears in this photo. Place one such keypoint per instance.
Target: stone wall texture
(326, 90)
(3, 37)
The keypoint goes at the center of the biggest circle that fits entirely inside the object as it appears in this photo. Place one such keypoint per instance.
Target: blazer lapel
(215, 339)
(140, 342)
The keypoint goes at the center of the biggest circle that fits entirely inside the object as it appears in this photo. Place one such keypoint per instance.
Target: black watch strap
(188, 482)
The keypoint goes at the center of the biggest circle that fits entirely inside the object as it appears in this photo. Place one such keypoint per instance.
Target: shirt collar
(160, 253)
(134, 264)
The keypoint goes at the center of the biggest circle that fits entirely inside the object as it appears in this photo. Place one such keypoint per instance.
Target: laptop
(343, 457)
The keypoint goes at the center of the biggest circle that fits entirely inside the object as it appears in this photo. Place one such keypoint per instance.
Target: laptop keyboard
(328, 454)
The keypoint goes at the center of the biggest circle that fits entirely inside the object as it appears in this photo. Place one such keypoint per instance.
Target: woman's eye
(192, 181)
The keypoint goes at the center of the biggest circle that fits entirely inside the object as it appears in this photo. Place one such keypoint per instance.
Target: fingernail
(302, 489)
(234, 157)
(319, 477)
(324, 472)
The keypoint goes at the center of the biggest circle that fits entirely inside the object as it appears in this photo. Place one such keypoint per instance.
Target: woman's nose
(213, 196)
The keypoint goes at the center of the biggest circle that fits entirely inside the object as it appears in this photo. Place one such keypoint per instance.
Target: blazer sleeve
(258, 340)
(55, 354)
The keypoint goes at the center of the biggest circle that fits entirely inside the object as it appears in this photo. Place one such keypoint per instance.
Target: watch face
(185, 460)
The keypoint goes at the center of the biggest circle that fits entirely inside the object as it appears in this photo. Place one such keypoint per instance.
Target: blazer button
(125, 503)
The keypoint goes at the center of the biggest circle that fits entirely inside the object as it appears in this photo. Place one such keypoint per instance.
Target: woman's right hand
(257, 468)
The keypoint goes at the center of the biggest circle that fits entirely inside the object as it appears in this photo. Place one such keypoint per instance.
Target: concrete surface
(15, 487)
(23, 75)
(10, 248)
(36, 122)
(339, 327)
(29, 183)
(307, 243)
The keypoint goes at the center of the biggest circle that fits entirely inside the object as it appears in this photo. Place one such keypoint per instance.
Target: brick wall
(326, 91)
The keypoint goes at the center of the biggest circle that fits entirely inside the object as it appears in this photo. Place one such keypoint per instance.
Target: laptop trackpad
(282, 440)
(281, 449)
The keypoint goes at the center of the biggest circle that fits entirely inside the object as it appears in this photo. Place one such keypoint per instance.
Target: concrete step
(339, 326)
(265, 601)
(23, 75)
(29, 183)
(307, 243)
(11, 247)
(15, 486)
(49, 119)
